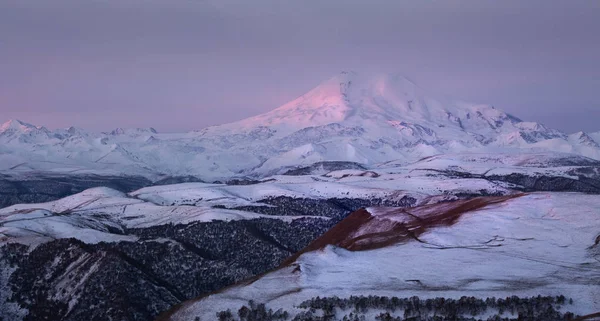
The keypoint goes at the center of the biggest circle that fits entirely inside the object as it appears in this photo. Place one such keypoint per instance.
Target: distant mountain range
(367, 119)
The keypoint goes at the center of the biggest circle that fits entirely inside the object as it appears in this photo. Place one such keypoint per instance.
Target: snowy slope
(155, 225)
(368, 119)
(430, 180)
(91, 215)
(595, 136)
(101, 215)
(449, 174)
(543, 243)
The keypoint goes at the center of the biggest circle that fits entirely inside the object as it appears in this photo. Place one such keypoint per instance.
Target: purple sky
(184, 64)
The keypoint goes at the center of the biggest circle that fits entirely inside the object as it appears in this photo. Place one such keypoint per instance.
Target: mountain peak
(132, 131)
(16, 125)
(584, 139)
(348, 96)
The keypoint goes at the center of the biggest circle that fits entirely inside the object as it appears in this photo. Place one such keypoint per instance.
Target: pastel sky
(178, 65)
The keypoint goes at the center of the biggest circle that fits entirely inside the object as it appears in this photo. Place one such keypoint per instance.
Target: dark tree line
(539, 308)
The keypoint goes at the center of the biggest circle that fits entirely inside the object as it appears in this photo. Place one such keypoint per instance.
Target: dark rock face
(335, 208)
(573, 161)
(242, 182)
(323, 168)
(550, 184)
(46, 188)
(587, 181)
(178, 180)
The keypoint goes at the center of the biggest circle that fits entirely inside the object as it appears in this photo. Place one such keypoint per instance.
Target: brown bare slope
(363, 230)
(394, 225)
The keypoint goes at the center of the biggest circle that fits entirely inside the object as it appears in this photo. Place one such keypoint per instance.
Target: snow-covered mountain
(367, 119)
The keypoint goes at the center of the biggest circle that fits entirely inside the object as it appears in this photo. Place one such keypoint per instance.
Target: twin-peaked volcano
(347, 97)
(352, 117)
(350, 97)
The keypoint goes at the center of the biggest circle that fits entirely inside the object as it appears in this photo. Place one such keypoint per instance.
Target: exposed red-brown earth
(377, 228)
(363, 230)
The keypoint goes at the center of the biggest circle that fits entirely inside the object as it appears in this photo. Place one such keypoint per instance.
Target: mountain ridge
(367, 119)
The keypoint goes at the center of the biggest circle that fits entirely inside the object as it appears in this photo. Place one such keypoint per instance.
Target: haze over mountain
(184, 65)
(352, 117)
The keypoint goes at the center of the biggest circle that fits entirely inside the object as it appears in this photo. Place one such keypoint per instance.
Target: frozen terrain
(172, 243)
(102, 215)
(537, 244)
